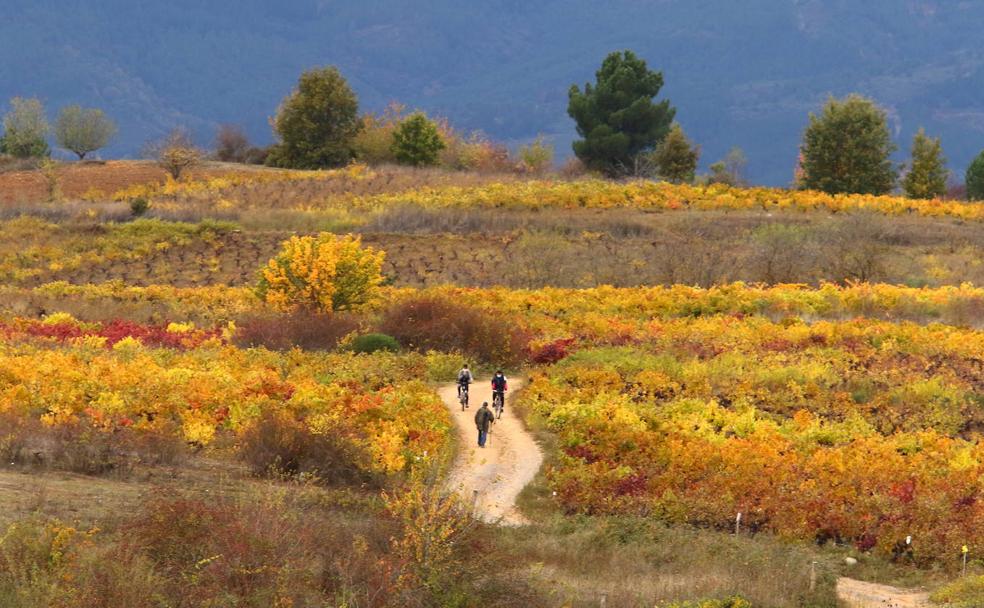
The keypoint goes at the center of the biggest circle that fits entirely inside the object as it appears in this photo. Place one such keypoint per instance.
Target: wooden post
(604, 600)
(965, 551)
(738, 524)
(474, 506)
(813, 576)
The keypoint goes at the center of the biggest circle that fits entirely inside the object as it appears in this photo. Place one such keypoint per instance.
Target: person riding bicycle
(499, 388)
(465, 378)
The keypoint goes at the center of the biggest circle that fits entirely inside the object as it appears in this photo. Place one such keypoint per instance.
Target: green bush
(966, 592)
(371, 343)
(417, 141)
(975, 178)
(139, 206)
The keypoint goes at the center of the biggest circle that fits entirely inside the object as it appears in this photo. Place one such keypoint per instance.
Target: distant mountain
(740, 73)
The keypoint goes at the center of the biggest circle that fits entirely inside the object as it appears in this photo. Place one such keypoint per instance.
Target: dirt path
(500, 470)
(858, 594)
(511, 459)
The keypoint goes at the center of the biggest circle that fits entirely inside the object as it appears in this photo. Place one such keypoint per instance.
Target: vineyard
(691, 354)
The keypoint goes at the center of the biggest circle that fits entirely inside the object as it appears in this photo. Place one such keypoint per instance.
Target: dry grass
(26, 186)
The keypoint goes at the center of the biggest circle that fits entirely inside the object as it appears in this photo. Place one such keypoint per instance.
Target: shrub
(552, 352)
(374, 143)
(537, 156)
(175, 153)
(967, 592)
(417, 141)
(83, 447)
(425, 323)
(278, 444)
(25, 128)
(675, 158)
(370, 343)
(323, 273)
(139, 206)
(301, 328)
(231, 144)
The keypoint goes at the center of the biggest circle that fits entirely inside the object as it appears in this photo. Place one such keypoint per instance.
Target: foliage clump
(317, 123)
(616, 117)
(927, 175)
(25, 129)
(83, 130)
(417, 141)
(846, 149)
(975, 178)
(322, 273)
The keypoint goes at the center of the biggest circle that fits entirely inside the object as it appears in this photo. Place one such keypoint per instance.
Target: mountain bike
(498, 402)
(463, 396)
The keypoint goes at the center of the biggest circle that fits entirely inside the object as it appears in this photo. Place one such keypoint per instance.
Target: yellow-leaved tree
(325, 273)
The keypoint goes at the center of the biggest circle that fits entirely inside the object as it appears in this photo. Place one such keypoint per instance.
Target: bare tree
(175, 153)
(231, 144)
(83, 130)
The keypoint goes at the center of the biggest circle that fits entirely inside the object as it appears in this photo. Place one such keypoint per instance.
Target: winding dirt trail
(859, 594)
(511, 458)
(500, 470)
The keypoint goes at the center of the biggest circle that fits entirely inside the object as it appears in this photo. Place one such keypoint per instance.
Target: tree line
(623, 129)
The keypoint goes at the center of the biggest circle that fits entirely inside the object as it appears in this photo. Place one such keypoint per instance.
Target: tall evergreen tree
(927, 175)
(846, 149)
(617, 118)
(975, 179)
(316, 123)
(676, 157)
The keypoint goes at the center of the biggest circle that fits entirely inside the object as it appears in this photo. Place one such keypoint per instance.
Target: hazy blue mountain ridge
(741, 74)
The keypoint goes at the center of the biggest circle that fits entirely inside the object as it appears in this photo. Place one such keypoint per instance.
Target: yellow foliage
(325, 272)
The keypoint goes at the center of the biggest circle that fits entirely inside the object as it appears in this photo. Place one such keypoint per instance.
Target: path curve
(512, 458)
(859, 594)
(500, 470)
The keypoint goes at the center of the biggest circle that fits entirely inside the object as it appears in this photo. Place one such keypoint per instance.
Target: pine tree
(676, 157)
(927, 175)
(975, 179)
(617, 118)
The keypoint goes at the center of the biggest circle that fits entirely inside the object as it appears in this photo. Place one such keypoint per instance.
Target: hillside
(741, 74)
(175, 431)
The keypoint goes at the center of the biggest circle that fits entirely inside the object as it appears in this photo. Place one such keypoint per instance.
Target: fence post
(604, 600)
(474, 505)
(813, 576)
(738, 524)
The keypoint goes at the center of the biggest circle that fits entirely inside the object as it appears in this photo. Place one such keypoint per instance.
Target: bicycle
(498, 402)
(463, 396)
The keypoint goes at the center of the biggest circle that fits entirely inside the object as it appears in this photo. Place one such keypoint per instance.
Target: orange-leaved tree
(324, 272)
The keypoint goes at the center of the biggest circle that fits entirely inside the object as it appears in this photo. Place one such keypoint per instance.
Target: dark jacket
(483, 418)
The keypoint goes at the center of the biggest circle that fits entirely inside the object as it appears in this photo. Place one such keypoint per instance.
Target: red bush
(552, 352)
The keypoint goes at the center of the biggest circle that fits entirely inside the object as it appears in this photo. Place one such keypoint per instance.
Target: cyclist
(499, 388)
(465, 378)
